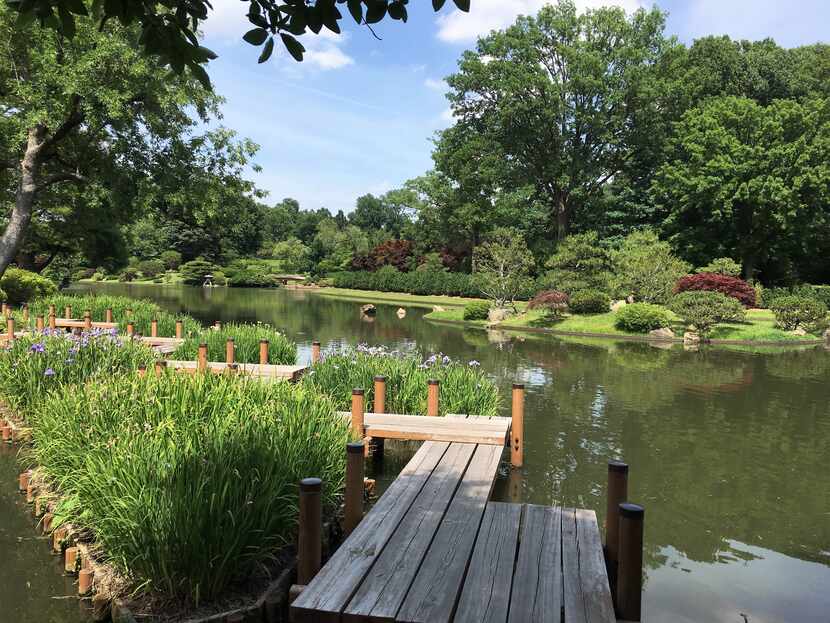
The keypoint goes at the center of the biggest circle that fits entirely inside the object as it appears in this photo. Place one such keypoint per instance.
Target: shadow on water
(728, 448)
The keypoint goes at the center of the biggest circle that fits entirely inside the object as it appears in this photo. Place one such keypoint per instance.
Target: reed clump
(464, 387)
(281, 350)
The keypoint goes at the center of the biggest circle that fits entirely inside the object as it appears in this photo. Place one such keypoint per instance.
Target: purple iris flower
(49, 372)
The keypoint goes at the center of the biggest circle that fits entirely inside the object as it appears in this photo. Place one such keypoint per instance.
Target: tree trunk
(24, 202)
(563, 218)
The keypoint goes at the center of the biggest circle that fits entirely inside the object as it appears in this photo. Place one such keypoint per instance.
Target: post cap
(263, 341)
(203, 345)
(315, 343)
(380, 378)
(142, 367)
(354, 447)
(162, 363)
(617, 466)
(310, 485)
(432, 382)
(518, 385)
(357, 391)
(230, 339)
(632, 511)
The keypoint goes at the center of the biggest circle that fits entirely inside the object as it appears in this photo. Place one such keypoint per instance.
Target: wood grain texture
(573, 604)
(485, 597)
(593, 577)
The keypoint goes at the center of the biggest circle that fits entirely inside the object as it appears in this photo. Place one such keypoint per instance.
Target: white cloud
(487, 15)
(435, 85)
(227, 21)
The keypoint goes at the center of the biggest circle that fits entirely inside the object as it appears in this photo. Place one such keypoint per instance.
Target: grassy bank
(394, 298)
(759, 325)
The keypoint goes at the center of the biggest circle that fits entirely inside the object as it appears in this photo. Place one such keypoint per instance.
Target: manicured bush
(281, 350)
(188, 483)
(128, 274)
(464, 387)
(704, 309)
(477, 310)
(713, 282)
(589, 302)
(82, 273)
(580, 263)
(22, 286)
(150, 268)
(415, 282)
(171, 259)
(818, 293)
(799, 312)
(395, 253)
(722, 266)
(554, 302)
(641, 317)
(250, 274)
(194, 271)
(645, 267)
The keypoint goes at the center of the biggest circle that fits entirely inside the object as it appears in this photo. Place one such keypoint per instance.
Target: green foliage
(194, 271)
(250, 274)
(171, 259)
(22, 286)
(645, 267)
(188, 483)
(150, 268)
(704, 309)
(281, 350)
(589, 302)
(502, 266)
(580, 263)
(722, 266)
(388, 279)
(641, 317)
(294, 255)
(464, 387)
(818, 293)
(477, 310)
(799, 312)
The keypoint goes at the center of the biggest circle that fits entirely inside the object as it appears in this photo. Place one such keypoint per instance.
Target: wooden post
(39, 323)
(358, 406)
(87, 319)
(26, 312)
(161, 366)
(217, 324)
(128, 313)
(84, 582)
(202, 359)
(263, 352)
(309, 544)
(433, 389)
(142, 371)
(380, 394)
(517, 426)
(52, 323)
(52, 310)
(353, 503)
(616, 495)
(179, 329)
(130, 329)
(23, 481)
(315, 352)
(70, 559)
(108, 315)
(67, 312)
(154, 328)
(630, 565)
(229, 350)
(10, 327)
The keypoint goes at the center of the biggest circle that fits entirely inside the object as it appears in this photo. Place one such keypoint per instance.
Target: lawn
(411, 300)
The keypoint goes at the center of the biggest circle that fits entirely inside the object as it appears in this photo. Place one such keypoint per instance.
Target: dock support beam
(630, 566)
(517, 426)
(315, 352)
(616, 495)
(264, 345)
(353, 503)
(378, 406)
(130, 329)
(309, 544)
(433, 392)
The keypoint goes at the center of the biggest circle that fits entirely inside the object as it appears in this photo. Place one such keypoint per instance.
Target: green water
(728, 449)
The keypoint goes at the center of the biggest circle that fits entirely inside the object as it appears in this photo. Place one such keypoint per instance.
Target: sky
(359, 113)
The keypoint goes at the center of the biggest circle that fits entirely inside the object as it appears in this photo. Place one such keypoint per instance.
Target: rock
(691, 339)
(401, 312)
(497, 314)
(799, 331)
(629, 299)
(438, 308)
(368, 310)
(827, 335)
(616, 305)
(664, 334)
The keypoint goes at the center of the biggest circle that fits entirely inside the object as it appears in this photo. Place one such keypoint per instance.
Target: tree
(503, 265)
(293, 254)
(81, 119)
(580, 263)
(169, 28)
(380, 213)
(566, 99)
(646, 267)
(750, 182)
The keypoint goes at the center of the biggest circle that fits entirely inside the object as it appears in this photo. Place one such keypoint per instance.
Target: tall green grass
(188, 482)
(281, 350)
(464, 388)
(39, 363)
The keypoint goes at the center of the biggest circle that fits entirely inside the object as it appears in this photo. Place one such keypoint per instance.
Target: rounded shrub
(554, 302)
(713, 282)
(704, 310)
(589, 302)
(641, 318)
(794, 312)
(477, 310)
(21, 285)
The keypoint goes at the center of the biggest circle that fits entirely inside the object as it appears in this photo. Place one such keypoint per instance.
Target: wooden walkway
(465, 429)
(433, 549)
(261, 371)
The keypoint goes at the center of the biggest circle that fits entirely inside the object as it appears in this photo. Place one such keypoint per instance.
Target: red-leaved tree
(715, 282)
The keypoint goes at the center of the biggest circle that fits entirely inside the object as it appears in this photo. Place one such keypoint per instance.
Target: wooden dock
(257, 370)
(472, 429)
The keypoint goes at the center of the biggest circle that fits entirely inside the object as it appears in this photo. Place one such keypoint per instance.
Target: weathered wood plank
(421, 428)
(537, 581)
(384, 588)
(593, 577)
(486, 594)
(267, 371)
(327, 595)
(573, 604)
(71, 323)
(437, 586)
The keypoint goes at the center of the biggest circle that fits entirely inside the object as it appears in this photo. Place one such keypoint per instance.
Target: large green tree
(750, 181)
(565, 99)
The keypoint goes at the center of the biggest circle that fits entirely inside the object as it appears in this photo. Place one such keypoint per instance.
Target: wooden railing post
(179, 329)
(433, 390)
(202, 358)
(10, 327)
(87, 319)
(39, 323)
(380, 394)
(108, 315)
(130, 329)
(309, 544)
(67, 312)
(142, 370)
(353, 503)
(154, 328)
(52, 322)
(630, 565)
(358, 409)
(217, 324)
(52, 310)
(616, 495)
(315, 352)
(230, 350)
(25, 312)
(517, 426)
(263, 352)
(128, 313)
(161, 365)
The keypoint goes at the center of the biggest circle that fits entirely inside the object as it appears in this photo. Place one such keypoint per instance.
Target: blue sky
(358, 114)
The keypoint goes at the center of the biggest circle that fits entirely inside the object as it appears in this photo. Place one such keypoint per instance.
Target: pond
(728, 448)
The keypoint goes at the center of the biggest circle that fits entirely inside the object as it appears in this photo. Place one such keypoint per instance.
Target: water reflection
(728, 448)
